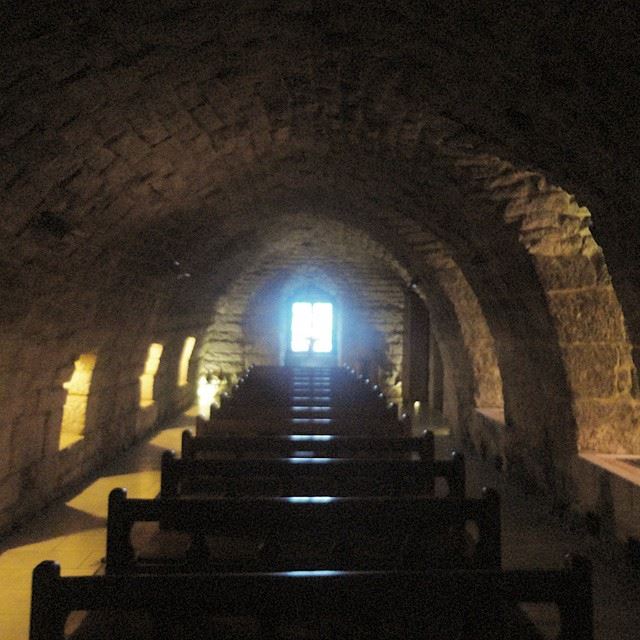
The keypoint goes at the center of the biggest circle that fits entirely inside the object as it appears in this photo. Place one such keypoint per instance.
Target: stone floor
(72, 532)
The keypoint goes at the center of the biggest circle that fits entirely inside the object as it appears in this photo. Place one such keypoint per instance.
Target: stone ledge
(493, 414)
(616, 464)
(610, 488)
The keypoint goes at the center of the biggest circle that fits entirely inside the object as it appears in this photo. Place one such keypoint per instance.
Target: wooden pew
(281, 391)
(319, 445)
(309, 476)
(279, 380)
(472, 603)
(340, 533)
(266, 424)
(303, 393)
(271, 412)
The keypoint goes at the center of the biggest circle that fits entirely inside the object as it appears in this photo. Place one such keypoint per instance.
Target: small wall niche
(74, 414)
(185, 358)
(148, 377)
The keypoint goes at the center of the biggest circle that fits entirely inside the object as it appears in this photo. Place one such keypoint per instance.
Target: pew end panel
(169, 478)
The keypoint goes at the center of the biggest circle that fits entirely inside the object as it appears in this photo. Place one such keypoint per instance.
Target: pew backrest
(269, 425)
(322, 445)
(368, 596)
(417, 532)
(296, 476)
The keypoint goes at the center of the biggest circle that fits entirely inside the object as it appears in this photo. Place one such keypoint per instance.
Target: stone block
(44, 478)
(100, 159)
(7, 520)
(10, 491)
(591, 369)
(27, 443)
(146, 419)
(626, 520)
(591, 315)
(608, 426)
(129, 145)
(586, 483)
(6, 437)
(569, 272)
(207, 118)
(52, 431)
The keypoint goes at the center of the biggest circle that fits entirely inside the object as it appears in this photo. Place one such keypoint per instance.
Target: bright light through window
(312, 327)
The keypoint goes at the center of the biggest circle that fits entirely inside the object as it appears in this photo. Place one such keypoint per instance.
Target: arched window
(75, 406)
(185, 357)
(150, 369)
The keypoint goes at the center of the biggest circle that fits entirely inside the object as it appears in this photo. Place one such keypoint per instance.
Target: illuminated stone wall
(35, 366)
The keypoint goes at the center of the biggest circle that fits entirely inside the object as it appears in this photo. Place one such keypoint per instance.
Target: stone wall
(35, 366)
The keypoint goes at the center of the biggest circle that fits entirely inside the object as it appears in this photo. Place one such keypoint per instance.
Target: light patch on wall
(150, 369)
(185, 357)
(74, 414)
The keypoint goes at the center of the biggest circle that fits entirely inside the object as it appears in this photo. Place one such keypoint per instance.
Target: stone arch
(585, 322)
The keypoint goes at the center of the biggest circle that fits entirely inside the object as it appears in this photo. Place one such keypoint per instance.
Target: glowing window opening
(74, 413)
(185, 357)
(312, 327)
(148, 377)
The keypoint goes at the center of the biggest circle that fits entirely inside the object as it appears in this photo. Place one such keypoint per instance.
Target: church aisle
(72, 532)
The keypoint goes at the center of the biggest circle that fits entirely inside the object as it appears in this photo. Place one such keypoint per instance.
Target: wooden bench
(322, 445)
(310, 392)
(470, 603)
(266, 424)
(309, 476)
(281, 534)
(278, 390)
(270, 412)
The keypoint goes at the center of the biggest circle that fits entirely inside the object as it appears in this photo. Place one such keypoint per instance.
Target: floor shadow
(58, 521)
